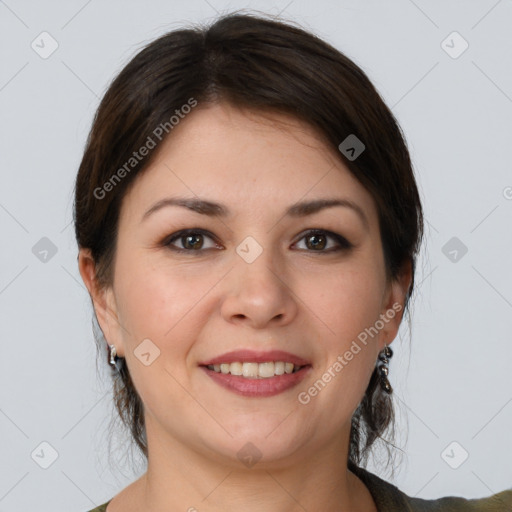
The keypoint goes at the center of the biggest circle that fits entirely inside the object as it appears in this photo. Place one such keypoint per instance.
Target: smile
(255, 370)
(251, 384)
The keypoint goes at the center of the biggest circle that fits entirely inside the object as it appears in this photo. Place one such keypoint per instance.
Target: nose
(258, 295)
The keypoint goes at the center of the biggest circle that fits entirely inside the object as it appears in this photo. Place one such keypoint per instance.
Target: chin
(260, 444)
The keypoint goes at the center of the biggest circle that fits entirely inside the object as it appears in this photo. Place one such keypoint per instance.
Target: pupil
(317, 241)
(193, 242)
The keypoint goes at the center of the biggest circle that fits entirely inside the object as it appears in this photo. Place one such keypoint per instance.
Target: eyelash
(343, 243)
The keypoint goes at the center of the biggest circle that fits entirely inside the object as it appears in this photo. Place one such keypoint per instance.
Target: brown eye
(191, 240)
(322, 242)
(316, 242)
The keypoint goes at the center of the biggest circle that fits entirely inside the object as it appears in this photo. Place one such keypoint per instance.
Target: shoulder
(501, 502)
(389, 498)
(101, 508)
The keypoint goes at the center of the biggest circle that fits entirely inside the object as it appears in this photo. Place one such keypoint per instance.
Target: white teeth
(279, 368)
(236, 368)
(255, 370)
(266, 370)
(250, 369)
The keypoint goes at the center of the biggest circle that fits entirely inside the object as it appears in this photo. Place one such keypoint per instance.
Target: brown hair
(264, 65)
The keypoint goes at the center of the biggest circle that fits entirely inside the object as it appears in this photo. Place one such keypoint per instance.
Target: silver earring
(383, 369)
(113, 355)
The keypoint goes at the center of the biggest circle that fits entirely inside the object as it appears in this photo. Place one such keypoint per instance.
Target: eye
(190, 240)
(319, 240)
(197, 240)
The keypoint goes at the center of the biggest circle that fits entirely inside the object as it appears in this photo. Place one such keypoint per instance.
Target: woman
(248, 223)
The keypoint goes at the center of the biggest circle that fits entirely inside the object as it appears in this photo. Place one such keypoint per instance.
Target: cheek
(153, 298)
(347, 301)
(162, 304)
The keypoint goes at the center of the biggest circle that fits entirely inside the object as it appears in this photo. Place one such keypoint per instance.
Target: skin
(202, 303)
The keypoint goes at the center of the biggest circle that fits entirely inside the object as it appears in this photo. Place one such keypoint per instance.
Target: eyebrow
(300, 209)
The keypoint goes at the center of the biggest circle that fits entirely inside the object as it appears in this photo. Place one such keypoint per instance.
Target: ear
(103, 301)
(394, 303)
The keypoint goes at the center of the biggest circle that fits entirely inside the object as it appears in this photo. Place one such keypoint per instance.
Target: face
(248, 241)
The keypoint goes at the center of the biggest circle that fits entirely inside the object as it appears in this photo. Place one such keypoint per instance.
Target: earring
(112, 356)
(383, 368)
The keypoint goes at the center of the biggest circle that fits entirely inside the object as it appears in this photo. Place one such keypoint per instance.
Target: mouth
(257, 374)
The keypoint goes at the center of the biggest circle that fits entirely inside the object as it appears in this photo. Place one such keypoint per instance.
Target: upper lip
(254, 356)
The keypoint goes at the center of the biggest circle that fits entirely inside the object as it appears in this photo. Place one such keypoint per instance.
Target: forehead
(246, 158)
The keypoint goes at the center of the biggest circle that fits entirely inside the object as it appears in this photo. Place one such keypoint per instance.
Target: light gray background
(452, 381)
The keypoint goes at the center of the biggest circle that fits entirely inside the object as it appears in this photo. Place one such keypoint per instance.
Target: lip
(254, 356)
(258, 387)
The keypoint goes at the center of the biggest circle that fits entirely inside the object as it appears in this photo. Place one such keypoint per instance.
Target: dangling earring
(383, 368)
(112, 356)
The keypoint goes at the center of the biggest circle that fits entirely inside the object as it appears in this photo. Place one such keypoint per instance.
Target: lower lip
(258, 387)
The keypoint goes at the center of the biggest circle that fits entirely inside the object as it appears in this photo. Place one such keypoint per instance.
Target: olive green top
(389, 498)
